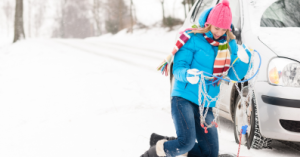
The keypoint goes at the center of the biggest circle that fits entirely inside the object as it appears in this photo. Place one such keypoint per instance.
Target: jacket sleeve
(183, 59)
(239, 66)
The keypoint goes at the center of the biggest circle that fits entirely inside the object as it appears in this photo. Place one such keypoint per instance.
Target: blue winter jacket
(197, 53)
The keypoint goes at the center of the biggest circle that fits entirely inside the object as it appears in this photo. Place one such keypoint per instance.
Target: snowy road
(89, 98)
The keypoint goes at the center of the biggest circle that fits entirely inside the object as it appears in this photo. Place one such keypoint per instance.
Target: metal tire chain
(202, 117)
(259, 142)
(251, 82)
(206, 98)
(250, 85)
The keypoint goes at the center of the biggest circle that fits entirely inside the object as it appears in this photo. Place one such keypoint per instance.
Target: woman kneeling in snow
(212, 49)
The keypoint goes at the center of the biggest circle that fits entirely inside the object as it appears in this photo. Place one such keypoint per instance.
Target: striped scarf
(163, 67)
(222, 61)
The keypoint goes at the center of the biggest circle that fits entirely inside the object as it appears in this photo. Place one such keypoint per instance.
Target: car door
(226, 87)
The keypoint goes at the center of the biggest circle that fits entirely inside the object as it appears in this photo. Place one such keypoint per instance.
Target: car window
(200, 6)
(278, 18)
(282, 13)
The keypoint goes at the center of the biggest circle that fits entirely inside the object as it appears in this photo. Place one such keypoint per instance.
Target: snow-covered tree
(117, 16)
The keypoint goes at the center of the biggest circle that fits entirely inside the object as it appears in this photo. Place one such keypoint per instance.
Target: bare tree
(163, 11)
(117, 16)
(96, 12)
(131, 17)
(78, 19)
(190, 3)
(120, 13)
(62, 17)
(19, 28)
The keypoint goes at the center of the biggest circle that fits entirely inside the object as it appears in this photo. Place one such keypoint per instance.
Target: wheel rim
(239, 120)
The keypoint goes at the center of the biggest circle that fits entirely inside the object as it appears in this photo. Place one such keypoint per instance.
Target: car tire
(255, 139)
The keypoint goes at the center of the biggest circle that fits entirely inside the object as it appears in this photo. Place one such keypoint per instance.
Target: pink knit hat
(220, 16)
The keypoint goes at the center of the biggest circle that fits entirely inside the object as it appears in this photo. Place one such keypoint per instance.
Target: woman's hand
(193, 76)
(244, 55)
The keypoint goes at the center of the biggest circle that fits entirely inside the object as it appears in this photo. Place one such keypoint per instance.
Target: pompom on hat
(220, 16)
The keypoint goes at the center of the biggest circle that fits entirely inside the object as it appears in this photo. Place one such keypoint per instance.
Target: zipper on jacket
(185, 85)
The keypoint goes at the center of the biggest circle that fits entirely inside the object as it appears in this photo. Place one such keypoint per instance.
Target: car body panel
(280, 46)
(269, 115)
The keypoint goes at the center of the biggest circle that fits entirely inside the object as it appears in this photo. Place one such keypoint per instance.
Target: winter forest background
(86, 18)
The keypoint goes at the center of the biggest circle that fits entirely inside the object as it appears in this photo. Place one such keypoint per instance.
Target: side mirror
(238, 35)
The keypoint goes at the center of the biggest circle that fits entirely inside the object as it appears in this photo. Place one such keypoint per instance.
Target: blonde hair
(229, 34)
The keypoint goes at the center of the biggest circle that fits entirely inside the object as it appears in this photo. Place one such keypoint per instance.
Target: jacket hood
(203, 17)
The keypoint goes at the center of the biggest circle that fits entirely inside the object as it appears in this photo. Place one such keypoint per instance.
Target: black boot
(155, 137)
(151, 152)
(156, 150)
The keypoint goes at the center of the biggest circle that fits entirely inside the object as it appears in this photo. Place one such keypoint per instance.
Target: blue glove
(193, 76)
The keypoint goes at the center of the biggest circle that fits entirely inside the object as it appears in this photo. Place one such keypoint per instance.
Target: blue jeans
(186, 119)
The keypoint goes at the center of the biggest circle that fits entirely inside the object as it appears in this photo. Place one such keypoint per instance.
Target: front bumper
(278, 108)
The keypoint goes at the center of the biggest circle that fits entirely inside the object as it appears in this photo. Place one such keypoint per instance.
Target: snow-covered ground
(94, 97)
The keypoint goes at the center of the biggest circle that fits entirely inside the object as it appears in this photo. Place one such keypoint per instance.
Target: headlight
(284, 72)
